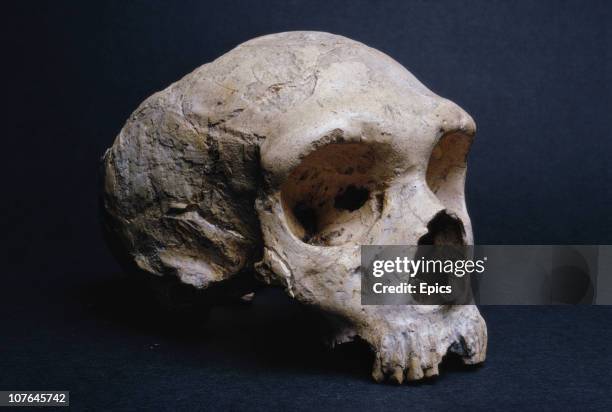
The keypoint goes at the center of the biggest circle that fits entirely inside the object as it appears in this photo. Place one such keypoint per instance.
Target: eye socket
(447, 168)
(335, 194)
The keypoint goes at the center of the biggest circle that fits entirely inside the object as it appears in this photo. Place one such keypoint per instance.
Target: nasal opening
(444, 229)
(443, 242)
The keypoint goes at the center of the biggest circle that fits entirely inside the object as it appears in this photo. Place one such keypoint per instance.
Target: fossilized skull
(284, 156)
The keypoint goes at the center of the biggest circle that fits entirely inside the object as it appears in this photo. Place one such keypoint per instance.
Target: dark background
(536, 77)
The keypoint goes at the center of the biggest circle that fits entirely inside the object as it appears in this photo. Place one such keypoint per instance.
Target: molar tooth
(414, 372)
(433, 371)
(398, 375)
(377, 373)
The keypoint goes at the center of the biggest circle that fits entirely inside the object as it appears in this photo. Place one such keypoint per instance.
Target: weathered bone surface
(282, 157)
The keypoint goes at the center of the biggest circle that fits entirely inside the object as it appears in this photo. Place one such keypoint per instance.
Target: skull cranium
(284, 156)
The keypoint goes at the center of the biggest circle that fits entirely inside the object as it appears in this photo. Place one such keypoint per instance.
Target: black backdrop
(535, 75)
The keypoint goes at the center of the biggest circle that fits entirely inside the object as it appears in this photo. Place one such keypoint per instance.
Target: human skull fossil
(282, 157)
